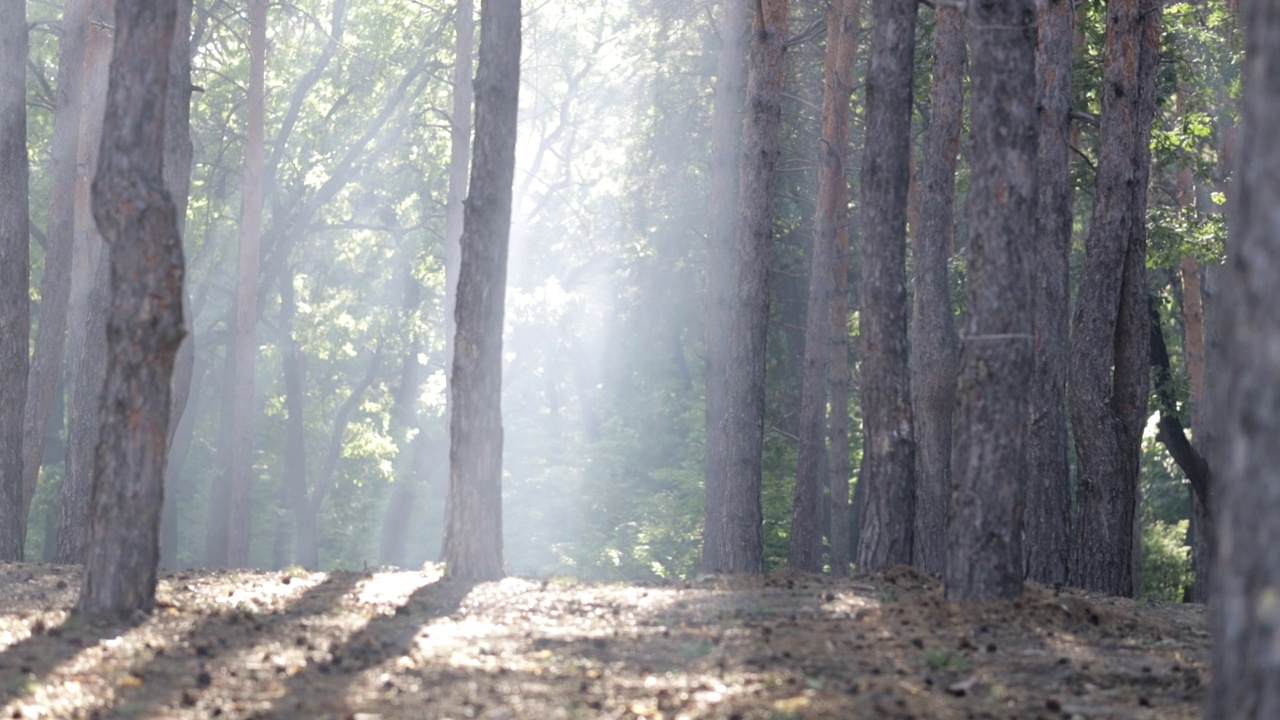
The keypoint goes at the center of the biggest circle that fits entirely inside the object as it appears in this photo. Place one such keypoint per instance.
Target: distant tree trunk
(55, 283)
(87, 313)
(294, 490)
(1245, 609)
(473, 536)
(885, 521)
(1047, 522)
(229, 533)
(737, 514)
(806, 517)
(726, 126)
(934, 347)
(459, 157)
(1109, 409)
(406, 431)
(178, 152)
(14, 272)
(137, 218)
(984, 537)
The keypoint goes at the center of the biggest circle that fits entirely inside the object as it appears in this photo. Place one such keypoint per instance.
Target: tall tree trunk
(805, 551)
(739, 516)
(984, 536)
(726, 126)
(87, 312)
(230, 533)
(14, 272)
(935, 349)
(55, 283)
(886, 517)
(406, 431)
(137, 219)
(459, 157)
(1108, 409)
(1047, 522)
(1245, 610)
(178, 153)
(473, 537)
(295, 433)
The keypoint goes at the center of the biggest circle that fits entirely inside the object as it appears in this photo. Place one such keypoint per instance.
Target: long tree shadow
(321, 688)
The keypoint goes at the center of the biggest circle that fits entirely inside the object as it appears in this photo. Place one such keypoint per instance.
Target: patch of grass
(24, 684)
(943, 660)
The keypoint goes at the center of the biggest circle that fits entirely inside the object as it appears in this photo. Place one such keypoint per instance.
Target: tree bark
(1047, 522)
(137, 219)
(739, 516)
(14, 272)
(726, 125)
(473, 536)
(984, 536)
(888, 503)
(1245, 609)
(230, 532)
(1108, 408)
(459, 161)
(935, 348)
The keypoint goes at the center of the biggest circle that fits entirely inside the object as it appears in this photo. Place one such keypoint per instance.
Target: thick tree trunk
(55, 283)
(1245, 610)
(888, 504)
(473, 537)
(137, 218)
(984, 548)
(1108, 408)
(935, 349)
(726, 125)
(805, 551)
(14, 273)
(1047, 521)
(739, 516)
(230, 533)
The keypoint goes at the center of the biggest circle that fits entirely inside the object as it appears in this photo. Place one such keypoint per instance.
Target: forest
(808, 322)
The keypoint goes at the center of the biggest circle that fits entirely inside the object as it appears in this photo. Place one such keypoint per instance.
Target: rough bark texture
(55, 283)
(935, 349)
(14, 268)
(230, 531)
(885, 518)
(1245, 610)
(738, 513)
(805, 552)
(1047, 520)
(726, 124)
(1108, 369)
(459, 160)
(137, 219)
(984, 548)
(473, 535)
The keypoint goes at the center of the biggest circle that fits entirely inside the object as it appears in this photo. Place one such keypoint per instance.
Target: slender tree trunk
(1047, 526)
(14, 272)
(459, 157)
(739, 516)
(1108, 408)
(406, 430)
(1245, 610)
(888, 503)
(55, 283)
(137, 219)
(726, 125)
(294, 494)
(230, 533)
(935, 349)
(984, 537)
(473, 537)
(806, 517)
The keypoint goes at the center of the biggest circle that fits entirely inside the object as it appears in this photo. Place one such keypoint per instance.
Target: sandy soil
(395, 644)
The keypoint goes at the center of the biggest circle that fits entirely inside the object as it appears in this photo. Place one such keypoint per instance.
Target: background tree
(888, 498)
(934, 348)
(1245, 614)
(984, 548)
(14, 269)
(473, 540)
(137, 218)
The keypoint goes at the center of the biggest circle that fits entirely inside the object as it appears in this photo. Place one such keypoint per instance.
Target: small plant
(943, 660)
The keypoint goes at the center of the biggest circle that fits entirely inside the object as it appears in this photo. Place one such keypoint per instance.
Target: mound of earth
(397, 644)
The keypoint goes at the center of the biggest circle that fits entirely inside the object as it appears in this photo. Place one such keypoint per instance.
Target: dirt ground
(390, 645)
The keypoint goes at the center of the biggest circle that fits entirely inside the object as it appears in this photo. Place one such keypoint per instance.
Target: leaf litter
(383, 645)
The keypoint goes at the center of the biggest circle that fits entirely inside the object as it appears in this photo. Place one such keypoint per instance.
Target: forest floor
(405, 645)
